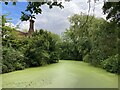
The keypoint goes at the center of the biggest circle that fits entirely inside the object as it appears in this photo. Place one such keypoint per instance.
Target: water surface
(65, 74)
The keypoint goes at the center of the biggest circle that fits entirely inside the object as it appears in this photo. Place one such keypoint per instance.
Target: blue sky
(56, 19)
(14, 10)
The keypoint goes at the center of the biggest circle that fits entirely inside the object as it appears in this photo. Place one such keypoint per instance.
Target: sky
(55, 19)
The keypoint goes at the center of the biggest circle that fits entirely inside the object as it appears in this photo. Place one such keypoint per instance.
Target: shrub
(35, 56)
(12, 60)
(42, 49)
(19, 66)
(4, 68)
(111, 64)
(54, 56)
(87, 58)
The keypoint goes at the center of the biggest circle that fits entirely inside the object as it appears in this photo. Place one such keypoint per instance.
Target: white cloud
(98, 10)
(56, 19)
(10, 25)
(24, 25)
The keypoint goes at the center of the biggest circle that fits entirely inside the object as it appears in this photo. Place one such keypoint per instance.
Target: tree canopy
(96, 42)
(112, 9)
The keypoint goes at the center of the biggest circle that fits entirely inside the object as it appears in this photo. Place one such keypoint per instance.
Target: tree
(42, 48)
(112, 9)
(94, 42)
(77, 36)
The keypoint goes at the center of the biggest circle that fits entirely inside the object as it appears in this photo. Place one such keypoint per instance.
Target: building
(31, 30)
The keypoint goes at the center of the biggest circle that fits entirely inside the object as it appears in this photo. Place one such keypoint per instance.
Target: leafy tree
(112, 9)
(91, 42)
(42, 49)
(77, 36)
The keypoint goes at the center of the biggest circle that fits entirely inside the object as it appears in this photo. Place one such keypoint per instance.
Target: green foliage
(76, 38)
(101, 39)
(95, 41)
(10, 38)
(4, 19)
(12, 60)
(91, 41)
(111, 64)
(67, 51)
(112, 9)
(87, 58)
(35, 8)
(41, 48)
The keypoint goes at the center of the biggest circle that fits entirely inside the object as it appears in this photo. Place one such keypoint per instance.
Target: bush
(4, 68)
(19, 66)
(12, 60)
(54, 56)
(39, 49)
(87, 58)
(111, 64)
(36, 56)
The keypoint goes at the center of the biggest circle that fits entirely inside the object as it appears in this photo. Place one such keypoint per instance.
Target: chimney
(31, 28)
